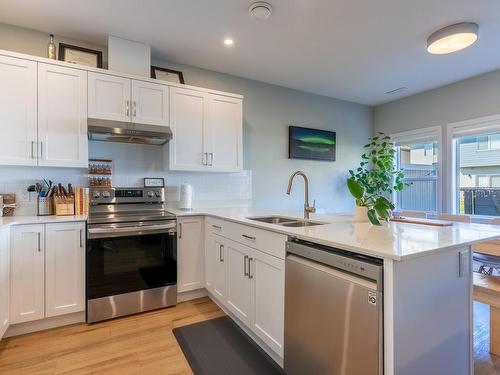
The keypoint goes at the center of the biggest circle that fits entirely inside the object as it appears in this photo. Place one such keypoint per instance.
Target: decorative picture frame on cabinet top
(80, 55)
(168, 75)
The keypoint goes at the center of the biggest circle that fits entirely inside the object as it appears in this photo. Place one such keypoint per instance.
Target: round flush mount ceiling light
(260, 10)
(228, 42)
(452, 38)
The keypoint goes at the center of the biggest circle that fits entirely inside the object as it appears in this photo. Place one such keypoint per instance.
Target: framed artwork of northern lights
(313, 144)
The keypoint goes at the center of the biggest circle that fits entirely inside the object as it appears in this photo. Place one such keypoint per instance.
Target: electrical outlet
(23, 196)
(463, 263)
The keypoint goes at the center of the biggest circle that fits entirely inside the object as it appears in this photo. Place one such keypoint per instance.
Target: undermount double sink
(286, 221)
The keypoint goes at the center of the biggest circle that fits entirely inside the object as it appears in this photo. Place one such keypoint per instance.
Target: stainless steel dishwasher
(333, 311)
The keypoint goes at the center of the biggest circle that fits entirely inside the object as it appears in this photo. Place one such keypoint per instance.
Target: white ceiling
(349, 49)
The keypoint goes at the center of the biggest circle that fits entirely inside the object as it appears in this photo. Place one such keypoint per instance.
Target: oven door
(123, 258)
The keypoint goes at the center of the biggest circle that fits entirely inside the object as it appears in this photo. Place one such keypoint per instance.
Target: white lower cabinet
(190, 254)
(268, 299)
(215, 267)
(239, 282)
(4, 281)
(47, 270)
(248, 282)
(27, 273)
(64, 269)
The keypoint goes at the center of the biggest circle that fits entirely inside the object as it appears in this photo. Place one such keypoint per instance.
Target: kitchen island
(427, 282)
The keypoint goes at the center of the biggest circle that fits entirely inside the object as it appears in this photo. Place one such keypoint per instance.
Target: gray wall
(467, 99)
(268, 110)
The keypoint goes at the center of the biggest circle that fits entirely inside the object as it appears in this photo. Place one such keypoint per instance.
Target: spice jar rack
(100, 172)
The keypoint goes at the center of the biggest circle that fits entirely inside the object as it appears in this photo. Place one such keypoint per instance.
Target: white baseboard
(192, 294)
(43, 324)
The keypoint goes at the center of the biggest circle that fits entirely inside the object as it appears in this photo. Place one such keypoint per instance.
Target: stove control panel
(126, 195)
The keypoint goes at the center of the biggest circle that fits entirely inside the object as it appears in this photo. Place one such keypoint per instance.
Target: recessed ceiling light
(260, 10)
(228, 42)
(452, 38)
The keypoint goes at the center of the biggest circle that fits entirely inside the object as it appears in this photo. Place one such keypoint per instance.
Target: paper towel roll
(186, 198)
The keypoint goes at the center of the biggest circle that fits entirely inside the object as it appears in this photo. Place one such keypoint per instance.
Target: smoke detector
(260, 10)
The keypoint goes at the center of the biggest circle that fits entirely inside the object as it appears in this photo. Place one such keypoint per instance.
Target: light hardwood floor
(145, 344)
(139, 344)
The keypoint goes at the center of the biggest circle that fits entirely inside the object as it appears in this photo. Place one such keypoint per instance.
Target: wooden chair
(421, 215)
(458, 218)
(487, 290)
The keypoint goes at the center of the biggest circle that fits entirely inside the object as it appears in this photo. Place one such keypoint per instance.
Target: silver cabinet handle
(204, 158)
(135, 108)
(39, 244)
(32, 152)
(81, 237)
(216, 226)
(251, 238)
(250, 276)
(245, 272)
(211, 159)
(41, 150)
(221, 257)
(127, 107)
(180, 230)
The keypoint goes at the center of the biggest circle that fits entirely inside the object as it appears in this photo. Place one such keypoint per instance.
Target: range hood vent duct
(127, 132)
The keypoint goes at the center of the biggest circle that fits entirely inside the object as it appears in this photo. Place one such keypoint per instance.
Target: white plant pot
(361, 214)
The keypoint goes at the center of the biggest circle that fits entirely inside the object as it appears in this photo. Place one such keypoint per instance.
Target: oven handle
(131, 231)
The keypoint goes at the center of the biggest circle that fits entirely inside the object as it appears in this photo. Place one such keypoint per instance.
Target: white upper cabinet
(65, 268)
(187, 119)
(190, 254)
(207, 131)
(62, 116)
(224, 132)
(127, 100)
(18, 111)
(150, 103)
(109, 97)
(27, 270)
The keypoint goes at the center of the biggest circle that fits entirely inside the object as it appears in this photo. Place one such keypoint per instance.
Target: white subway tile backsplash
(131, 163)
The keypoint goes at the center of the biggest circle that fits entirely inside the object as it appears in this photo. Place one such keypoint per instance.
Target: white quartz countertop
(19, 220)
(394, 240)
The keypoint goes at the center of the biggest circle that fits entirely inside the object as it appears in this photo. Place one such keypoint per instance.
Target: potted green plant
(375, 179)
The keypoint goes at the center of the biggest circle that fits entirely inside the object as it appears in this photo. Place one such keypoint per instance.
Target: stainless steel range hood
(128, 132)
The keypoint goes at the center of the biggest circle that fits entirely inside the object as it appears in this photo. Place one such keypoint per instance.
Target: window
(419, 161)
(478, 174)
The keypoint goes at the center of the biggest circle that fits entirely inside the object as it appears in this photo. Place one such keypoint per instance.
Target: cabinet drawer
(216, 226)
(269, 242)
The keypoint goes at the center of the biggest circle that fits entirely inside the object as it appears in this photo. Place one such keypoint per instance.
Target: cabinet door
(65, 268)
(190, 255)
(18, 111)
(239, 284)
(149, 103)
(217, 260)
(109, 97)
(187, 118)
(268, 320)
(27, 273)
(4, 281)
(224, 133)
(62, 116)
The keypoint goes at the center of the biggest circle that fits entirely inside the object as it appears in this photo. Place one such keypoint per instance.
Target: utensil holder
(45, 206)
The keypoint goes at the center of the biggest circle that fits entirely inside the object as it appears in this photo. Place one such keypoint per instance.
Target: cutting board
(416, 220)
